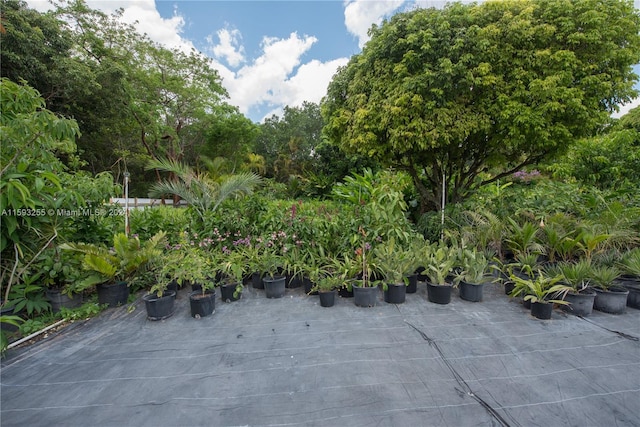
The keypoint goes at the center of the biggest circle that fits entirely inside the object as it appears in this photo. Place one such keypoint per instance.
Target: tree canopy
(477, 92)
(133, 99)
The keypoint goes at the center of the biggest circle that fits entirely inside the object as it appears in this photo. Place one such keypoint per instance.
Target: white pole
(126, 203)
(443, 202)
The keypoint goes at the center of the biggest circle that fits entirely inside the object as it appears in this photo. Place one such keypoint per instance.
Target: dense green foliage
(133, 100)
(477, 92)
(295, 152)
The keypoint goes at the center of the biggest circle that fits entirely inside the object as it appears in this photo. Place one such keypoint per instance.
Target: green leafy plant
(522, 239)
(8, 320)
(474, 267)
(393, 262)
(603, 276)
(630, 263)
(28, 295)
(540, 288)
(270, 262)
(233, 269)
(590, 241)
(440, 261)
(120, 263)
(576, 274)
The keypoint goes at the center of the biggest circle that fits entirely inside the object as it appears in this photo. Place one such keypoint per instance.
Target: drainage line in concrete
(622, 334)
(35, 334)
(466, 388)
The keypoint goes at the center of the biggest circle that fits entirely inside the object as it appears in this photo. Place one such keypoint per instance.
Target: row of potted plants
(386, 264)
(578, 286)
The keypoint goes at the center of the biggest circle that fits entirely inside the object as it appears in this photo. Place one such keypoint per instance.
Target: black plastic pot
(58, 300)
(202, 305)
(439, 294)
(294, 282)
(508, 287)
(471, 291)
(365, 297)
(412, 287)
(633, 286)
(227, 290)
(344, 292)
(256, 281)
(308, 285)
(274, 286)
(580, 303)
(395, 293)
(113, 294)
(541, 310)
(327, 298)
(160, 308)
(612, 300)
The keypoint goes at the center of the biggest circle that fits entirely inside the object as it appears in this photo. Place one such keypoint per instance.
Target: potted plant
(195, 267)
(610, 298)
(542, 291)
(252, 253)
(630, 279)
(113, 269)
(233, 270)
(294, 262)
(326, 284)
(414, 258)
(577, 275)
(271, 264)
(473, 275)
(395, 264)
(160, 301)
(522, 239)
(63, 275)
(440, 260)
(365, 290)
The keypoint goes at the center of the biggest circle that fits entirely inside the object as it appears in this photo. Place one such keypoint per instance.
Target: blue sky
(269, 53)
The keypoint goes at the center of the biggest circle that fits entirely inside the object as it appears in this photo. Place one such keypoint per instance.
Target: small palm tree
(202, 192)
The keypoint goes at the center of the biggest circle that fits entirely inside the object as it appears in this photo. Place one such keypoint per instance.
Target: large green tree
(476, 92)
(287, 143)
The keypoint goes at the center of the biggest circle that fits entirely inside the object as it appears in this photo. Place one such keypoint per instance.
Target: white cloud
(625, 108)
(229, 48)
(278, 77)
(143, 14)
(360, 14)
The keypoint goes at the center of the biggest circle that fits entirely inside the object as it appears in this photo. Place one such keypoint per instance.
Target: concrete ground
(289, 362)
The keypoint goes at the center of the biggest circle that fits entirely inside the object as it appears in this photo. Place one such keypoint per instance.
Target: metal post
(443, 203)
(126, 203)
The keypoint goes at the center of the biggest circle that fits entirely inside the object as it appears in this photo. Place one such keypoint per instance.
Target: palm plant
(486, 230)
(119, 263)
(630, 263)
(522, 239)
(576, 274)
(603, 276)
(201, 191)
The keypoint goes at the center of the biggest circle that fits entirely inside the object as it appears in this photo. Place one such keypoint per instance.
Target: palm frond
(236, 185)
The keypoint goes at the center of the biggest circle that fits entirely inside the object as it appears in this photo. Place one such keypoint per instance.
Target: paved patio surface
(290, 362)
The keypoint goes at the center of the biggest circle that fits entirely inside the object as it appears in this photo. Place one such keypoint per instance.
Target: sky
(270, 54)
